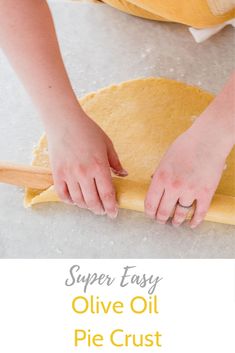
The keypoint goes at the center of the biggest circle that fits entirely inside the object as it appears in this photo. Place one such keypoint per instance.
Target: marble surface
(102, 46)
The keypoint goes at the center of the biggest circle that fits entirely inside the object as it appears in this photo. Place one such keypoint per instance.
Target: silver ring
(185, 206)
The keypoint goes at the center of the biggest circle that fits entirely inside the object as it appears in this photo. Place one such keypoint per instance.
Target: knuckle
(61, 193)
(177, 183)
(149, 206)
(99, 162)
(59, 171)
(191, 186)
(162, 175)
(108, 195)
(162, 214)
(81, 169)
(179, 214)
(93, 203)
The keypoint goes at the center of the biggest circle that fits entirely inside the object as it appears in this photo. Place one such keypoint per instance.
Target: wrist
(217, 133)
(62, 115)
(220, 114)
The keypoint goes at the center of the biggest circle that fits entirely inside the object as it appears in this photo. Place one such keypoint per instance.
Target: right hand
(82, 157)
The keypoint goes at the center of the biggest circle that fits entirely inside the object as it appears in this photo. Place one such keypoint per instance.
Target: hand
(188, 175)
(81, 156)
(190, 171)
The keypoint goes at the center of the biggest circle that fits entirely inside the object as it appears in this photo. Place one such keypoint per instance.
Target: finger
(76, 193)
(62, 191)
(91, 197)
(107, 193)
(166, 206)
(202, 206)
(114, 161)
(153, 197)
(181, 213)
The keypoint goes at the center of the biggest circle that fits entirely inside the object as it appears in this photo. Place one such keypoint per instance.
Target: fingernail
(80, 205)
(151, 216)
(98, 213)
(176, 225)
(161, 222)
(122, 172)
(69, 202)
(114, 214)
(194, 225)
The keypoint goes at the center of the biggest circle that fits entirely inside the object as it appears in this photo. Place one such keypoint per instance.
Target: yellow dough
(143, 117)
(195, 13)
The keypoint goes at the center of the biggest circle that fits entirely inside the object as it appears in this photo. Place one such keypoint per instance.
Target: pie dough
(195, 13)
(219, 7)
(143, 117)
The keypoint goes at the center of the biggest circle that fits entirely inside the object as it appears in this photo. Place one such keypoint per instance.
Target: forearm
(28, 37)
(220, 114)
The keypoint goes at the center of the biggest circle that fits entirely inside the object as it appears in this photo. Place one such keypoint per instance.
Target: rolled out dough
(195, 13)
(143, 117)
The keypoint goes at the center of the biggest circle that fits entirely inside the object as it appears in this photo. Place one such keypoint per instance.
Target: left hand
(188, 175)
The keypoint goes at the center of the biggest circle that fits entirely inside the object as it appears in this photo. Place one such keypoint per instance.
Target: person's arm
(81, 154)
(191, 169)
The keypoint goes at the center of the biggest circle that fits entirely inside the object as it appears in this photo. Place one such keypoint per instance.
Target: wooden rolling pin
(26, 176)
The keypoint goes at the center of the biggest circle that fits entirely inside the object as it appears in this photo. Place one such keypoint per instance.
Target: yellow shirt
(195, 13)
